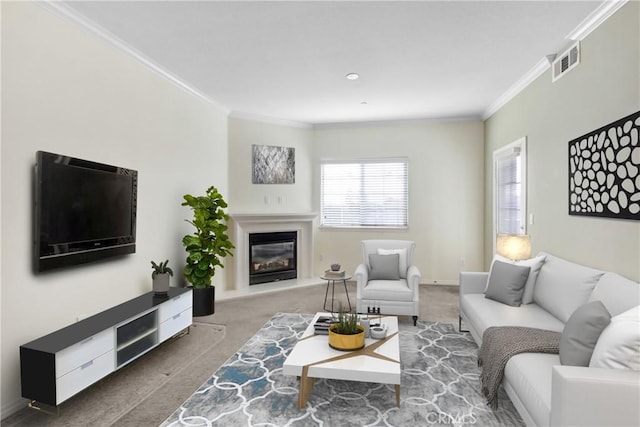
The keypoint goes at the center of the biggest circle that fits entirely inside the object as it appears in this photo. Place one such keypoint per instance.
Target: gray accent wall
(603, 88)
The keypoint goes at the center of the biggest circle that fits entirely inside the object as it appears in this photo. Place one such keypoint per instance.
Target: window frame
(361, 161)
(499, 154)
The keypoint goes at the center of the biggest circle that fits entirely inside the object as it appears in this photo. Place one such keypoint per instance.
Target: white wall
(67, 92)
(603, 88)
(245, 197)
(445, 192)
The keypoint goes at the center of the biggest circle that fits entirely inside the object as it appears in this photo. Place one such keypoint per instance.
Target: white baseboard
(441, 282)
(13, 407)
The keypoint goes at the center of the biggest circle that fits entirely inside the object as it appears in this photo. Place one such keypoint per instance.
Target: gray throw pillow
(581, 333)
(384, 267)
(506, 283)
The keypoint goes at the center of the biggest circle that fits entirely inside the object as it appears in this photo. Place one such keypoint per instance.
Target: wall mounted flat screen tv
(84, 211)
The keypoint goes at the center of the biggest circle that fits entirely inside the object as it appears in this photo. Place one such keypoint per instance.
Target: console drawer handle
(176, 316)
(86, 365)
(86, 340)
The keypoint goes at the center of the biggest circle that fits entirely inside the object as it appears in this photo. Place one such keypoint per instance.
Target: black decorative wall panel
(604, 171)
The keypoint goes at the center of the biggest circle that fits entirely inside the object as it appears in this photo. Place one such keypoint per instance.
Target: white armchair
(388, 279)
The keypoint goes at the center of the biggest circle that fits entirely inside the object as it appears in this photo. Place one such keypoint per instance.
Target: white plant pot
(161, 283)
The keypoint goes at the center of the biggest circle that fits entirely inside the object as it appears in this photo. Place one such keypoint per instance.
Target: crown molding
(524, 81)
(266, 119)
(63, 11)
(411, 121)
(595, 19)
(590, 23)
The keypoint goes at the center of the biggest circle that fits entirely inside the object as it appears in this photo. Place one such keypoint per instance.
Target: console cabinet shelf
(57, 366)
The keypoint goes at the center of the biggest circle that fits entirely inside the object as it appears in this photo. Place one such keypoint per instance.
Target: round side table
(331, 281)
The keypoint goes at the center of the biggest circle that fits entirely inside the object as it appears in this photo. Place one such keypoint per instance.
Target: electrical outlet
(321, 257)
(267, 200)
(461, 262)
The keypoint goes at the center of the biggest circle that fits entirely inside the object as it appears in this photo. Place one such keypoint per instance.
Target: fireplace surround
(241, 226)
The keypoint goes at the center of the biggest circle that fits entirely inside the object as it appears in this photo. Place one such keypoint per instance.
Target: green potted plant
(346, 333)
(206, 247)
(160, 277)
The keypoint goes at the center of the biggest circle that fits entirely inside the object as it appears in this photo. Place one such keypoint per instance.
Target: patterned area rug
(440, 386)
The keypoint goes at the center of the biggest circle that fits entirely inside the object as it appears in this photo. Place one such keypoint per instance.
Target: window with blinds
(510, 189)
(365, 193)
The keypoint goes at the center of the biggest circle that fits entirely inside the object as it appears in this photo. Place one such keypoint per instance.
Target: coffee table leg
(306, 385)
(398, 394)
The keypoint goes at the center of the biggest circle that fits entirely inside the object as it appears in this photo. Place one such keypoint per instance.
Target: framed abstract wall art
(273, 165)
(604, 171)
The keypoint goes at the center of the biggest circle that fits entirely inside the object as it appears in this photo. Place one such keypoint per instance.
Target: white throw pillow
(619, 344)
(535, 264)
(402, 254)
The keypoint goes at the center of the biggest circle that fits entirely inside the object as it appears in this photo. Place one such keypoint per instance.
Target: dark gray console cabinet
(56, 366)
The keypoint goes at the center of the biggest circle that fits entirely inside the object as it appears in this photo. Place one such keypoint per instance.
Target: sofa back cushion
(563, 286)
(617, 293)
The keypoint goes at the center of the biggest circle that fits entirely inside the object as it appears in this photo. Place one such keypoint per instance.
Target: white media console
(57, 366)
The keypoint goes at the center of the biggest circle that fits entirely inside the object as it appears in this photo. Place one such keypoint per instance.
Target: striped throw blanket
(499, 343)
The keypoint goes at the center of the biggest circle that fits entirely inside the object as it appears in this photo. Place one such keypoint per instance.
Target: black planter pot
(203, 301)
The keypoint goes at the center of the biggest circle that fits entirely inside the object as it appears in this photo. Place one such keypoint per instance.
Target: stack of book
(332, 274)
(321, 326)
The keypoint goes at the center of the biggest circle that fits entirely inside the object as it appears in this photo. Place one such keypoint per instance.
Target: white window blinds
(510, 190)
(364, 193)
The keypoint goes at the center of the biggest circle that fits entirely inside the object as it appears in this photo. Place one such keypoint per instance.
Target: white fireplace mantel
(243, 224)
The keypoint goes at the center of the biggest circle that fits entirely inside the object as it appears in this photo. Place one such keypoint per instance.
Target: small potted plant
(160, 276)
(346, 333)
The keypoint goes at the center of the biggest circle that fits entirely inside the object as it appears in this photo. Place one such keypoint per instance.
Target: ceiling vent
(565, 62)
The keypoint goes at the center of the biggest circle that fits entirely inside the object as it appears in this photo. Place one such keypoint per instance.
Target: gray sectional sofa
(544, 391)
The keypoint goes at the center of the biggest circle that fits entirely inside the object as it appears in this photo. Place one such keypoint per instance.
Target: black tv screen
(84, 211)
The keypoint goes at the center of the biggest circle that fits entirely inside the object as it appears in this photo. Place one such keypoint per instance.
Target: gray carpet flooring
(147, 391)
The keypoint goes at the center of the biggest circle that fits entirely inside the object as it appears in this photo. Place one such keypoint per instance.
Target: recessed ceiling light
(353, 76)
(364, 103)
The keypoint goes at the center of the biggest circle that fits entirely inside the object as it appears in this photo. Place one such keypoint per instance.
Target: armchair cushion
(374, 246)
(387, 290)
(383, 267)
(402, 259)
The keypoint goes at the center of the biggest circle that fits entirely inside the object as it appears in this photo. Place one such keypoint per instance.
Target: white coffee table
(377, 362)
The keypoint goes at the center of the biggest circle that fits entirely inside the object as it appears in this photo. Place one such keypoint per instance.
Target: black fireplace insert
(272, 256)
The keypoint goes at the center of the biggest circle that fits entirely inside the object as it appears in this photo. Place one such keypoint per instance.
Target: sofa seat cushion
(563, 286)
(483, 313)
(529, 375)
(387, 290)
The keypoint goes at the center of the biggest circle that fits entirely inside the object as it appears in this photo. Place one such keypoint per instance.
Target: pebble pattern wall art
(604, 171)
